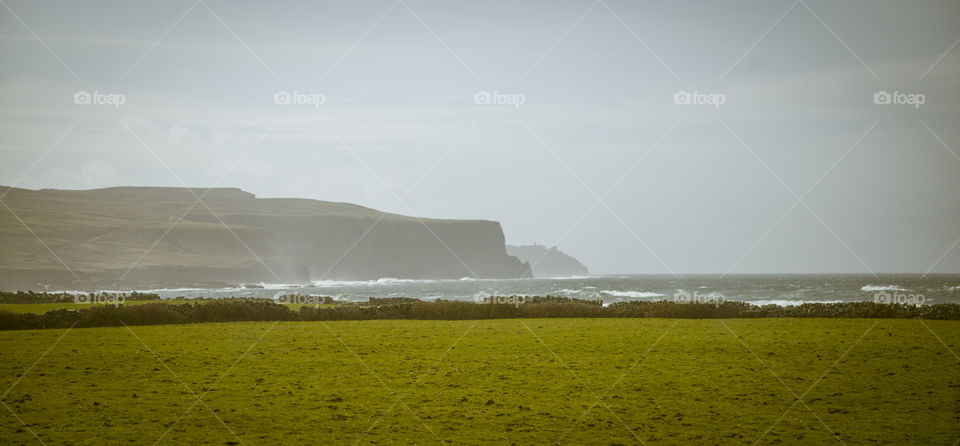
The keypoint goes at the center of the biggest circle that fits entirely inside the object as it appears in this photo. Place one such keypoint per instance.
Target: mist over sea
(755, 289)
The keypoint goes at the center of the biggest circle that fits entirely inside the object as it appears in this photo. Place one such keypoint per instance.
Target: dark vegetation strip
(31, 297)
(237, 310)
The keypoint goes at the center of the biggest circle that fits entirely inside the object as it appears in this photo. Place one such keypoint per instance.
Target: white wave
(634, 294)
(275, 286)
(467, 278)
(334, 283)
(395, 280)
(882, 288)
(380, 281)
(790, 303)
(165, 290)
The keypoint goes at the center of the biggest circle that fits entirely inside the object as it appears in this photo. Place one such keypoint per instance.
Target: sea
(792, 289)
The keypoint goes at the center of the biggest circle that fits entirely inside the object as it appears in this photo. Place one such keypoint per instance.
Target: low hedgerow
(238, 310)
(30, 297)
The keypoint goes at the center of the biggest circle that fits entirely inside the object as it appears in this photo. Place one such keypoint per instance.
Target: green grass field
(523, 381)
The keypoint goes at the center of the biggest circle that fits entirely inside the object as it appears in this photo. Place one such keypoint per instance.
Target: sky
(640, 137)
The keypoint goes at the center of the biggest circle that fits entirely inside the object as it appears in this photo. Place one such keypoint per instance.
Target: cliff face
(548, 262)
(138, 237)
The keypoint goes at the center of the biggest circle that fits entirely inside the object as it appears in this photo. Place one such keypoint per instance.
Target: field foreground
(523, 381)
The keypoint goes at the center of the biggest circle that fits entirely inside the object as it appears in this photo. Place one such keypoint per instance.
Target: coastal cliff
(548, 262)
(148, 237)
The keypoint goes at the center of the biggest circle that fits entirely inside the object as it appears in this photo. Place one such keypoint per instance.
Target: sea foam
(869, 288)
(634, 294)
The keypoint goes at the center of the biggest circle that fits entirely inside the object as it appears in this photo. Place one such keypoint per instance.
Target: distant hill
(99, 234)
(548, 262)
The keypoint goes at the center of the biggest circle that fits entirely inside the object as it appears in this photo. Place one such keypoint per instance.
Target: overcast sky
(590, 152)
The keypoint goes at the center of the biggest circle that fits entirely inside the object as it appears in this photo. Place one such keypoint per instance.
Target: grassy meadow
(522, 381)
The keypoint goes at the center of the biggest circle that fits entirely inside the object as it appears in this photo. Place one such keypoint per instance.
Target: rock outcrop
(548, 262)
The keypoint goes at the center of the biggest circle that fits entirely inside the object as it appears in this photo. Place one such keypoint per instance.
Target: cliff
(548, 262)
(134, 237)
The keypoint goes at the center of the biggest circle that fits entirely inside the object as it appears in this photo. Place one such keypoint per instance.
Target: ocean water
(755, 289)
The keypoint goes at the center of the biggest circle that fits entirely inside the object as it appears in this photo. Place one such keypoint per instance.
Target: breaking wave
(882, 288)
(790, 303)
(633, 294)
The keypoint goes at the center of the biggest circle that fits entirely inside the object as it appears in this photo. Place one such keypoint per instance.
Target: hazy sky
(684, 188)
